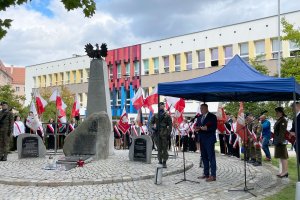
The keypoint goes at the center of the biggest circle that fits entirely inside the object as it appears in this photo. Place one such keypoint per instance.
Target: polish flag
(60, 105)
(221, 118)
(138, 99)
(179, 105)
(151, 99)
(123, 122)
(76, 107)
(40, 103)
(33, 121)
(241, 129)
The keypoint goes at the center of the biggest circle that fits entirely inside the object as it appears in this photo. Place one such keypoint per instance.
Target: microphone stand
(245, 189)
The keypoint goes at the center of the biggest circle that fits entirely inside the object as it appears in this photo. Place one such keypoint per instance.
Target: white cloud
(35, 38)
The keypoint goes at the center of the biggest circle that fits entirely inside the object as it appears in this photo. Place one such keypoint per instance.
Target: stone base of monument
(90, 138)
(30, 146)
(71, 162)
(141, 149)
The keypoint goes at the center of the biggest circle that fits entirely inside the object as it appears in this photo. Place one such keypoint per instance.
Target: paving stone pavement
(230, 175)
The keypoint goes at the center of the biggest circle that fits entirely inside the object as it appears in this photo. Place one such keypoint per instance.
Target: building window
(119, 71)
(111, 73)
(214, 57)
(118, 97)
(260, 49)
(136, 68)
(294, 49)
(228, 53)
(177, 62)
(87, 70)
(244, 51)
(275, 48)
(146, 67)
(74, 76)
(111, 98)
(166, 64)
(201, 58)
(17, 89)
(68, 78)
(127, 97)
(189, 60)
(128, 69)
(81, 75)
(156, 65)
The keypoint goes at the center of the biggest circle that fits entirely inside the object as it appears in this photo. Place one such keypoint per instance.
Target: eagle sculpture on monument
(97, 53)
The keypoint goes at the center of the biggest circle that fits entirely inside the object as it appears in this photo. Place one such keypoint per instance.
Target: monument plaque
(140, 150)
(30, 147)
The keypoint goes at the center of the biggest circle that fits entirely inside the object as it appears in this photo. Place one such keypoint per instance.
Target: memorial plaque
(140, 150)
(85, 145)
(30, 147)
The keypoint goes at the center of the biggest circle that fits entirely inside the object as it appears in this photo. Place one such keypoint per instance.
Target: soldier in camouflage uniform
(250, 143)
(6, 128)
(257, 129)
(161, 123)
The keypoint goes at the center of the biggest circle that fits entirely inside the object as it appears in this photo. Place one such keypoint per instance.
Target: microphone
(193, 119)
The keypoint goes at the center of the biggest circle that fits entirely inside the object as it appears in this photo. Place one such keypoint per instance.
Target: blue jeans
(265, 146)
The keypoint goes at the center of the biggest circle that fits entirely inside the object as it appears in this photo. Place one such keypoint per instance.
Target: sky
(43, 31)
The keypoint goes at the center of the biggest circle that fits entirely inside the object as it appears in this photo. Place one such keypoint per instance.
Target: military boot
(1, 158)
(160, 162)
(165, 164)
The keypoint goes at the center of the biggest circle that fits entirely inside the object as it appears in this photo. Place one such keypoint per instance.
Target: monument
(94, 136)
(30, 146)
(141, 149)
(90, 138)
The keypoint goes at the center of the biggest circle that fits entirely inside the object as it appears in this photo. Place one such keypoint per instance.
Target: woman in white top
(19, 129)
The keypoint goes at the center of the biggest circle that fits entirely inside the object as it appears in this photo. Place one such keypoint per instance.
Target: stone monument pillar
(98, 93)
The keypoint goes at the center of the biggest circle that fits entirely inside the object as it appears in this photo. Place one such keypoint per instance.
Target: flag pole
(55, 133)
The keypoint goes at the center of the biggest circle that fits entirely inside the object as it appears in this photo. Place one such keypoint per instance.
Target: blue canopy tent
(236, 81)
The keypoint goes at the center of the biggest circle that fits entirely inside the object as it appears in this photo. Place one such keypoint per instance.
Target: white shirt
(184, 129)
(19, 128)
(145, 129)
(233, 127)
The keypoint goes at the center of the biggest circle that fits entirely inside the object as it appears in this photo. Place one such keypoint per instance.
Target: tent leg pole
(297, 195)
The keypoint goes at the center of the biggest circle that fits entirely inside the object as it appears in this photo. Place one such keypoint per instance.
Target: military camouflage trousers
(4, 144)
(162, 147)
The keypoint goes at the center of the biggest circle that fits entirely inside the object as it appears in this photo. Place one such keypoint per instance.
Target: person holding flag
(50, 130)
(124, 126)
(161, 123)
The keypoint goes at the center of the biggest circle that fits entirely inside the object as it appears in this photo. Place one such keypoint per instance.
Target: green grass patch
(290, 190)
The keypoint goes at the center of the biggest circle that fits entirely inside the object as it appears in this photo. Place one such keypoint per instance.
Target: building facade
(124, 77)
(200, 53)
(5, 76)
(167, 60)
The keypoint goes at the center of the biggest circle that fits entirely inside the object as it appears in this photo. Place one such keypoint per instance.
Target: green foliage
(50, 110)
(88, 8)
(7, 93)
(291, 32)
(257, 64)
(290, 67)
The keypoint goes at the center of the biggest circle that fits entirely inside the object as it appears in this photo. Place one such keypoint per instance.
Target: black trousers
(222, 143)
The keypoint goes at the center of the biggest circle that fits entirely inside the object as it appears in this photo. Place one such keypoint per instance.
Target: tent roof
(236, 81)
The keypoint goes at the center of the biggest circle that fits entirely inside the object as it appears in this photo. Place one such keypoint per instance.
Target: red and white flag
(76, 107)
(138, 99)
(60, 105)
(33, 121)
(123, 122)
(40, 103)
(151, 100)
(241, 129)
(221, 118)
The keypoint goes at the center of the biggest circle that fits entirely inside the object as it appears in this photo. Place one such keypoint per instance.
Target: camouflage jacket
(164, 122)
(6, 122)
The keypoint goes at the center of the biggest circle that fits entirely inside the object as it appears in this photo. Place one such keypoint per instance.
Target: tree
(290, 67)
(258, 65)
(7, 93)
(88, 7)
(50, 110)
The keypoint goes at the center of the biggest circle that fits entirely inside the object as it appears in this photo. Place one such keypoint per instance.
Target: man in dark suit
(295, 132)
(206, 126)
